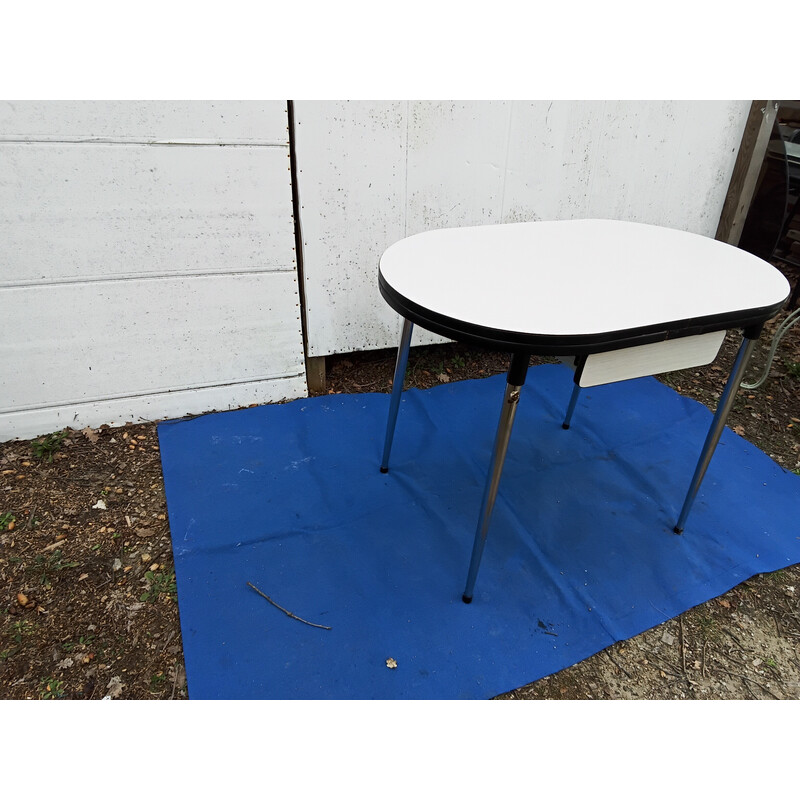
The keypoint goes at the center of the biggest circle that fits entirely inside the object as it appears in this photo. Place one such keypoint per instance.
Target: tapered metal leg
(573, 400)
(516, 379)
(717, 426)
(397, 390)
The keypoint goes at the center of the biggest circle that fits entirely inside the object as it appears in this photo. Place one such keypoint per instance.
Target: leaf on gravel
(442, 378)
(739, 429)
(91, 435)
(101, 504)
(114, 688)
(144, 532)
(67, 662)
(117, 565)
(391, 663)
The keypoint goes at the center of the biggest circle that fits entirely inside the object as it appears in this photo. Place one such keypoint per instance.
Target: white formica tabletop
(576, 286)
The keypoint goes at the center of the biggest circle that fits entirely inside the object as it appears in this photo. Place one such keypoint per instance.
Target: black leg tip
(466, 599)
(384, 470)
(678, 530)
(565, 426)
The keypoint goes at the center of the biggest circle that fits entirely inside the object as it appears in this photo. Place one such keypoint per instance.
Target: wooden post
(315, 374)
(746, 170)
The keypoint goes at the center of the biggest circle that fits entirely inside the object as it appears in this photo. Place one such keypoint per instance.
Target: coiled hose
(776, 340)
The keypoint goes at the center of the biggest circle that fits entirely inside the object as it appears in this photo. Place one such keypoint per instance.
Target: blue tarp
(580, 554)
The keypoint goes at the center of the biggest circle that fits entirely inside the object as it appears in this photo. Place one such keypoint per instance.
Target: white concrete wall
(147, 262)
(371, 173)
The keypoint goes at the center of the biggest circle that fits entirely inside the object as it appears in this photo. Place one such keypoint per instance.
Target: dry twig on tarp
(288, 613)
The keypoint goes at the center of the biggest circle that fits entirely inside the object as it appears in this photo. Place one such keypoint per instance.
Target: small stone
(789, 591)
(117, 565)
(391, 663)
(100, 504)
(668, 638)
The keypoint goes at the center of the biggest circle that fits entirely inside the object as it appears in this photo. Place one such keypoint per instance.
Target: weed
(458, 361)
(47, 445)
(157, 683)
(17, 631)
(158, 584)
(708, 627)
(20, 629)
(55, 563)
(7, 521)
(770, 662)
(51, 689)
(792, 367)
(83, 642)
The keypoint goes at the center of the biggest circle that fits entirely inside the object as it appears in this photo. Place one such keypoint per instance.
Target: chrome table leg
(516, 379)
(573, 400)
(397, 390)
(717, 426)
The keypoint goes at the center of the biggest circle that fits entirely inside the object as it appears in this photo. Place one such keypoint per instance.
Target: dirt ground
(88, 604)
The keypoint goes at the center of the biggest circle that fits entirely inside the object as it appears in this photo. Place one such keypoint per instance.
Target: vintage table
(617, 300)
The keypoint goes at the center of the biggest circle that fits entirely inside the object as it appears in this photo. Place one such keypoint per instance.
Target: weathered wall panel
(351, 160)
(147, 263)
(88, 212)
(436, 164)
(113, 339)
(131, 120)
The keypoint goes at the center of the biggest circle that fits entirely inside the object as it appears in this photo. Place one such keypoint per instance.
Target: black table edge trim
(583, 344)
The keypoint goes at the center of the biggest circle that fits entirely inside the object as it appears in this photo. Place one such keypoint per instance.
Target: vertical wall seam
(298, 229)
